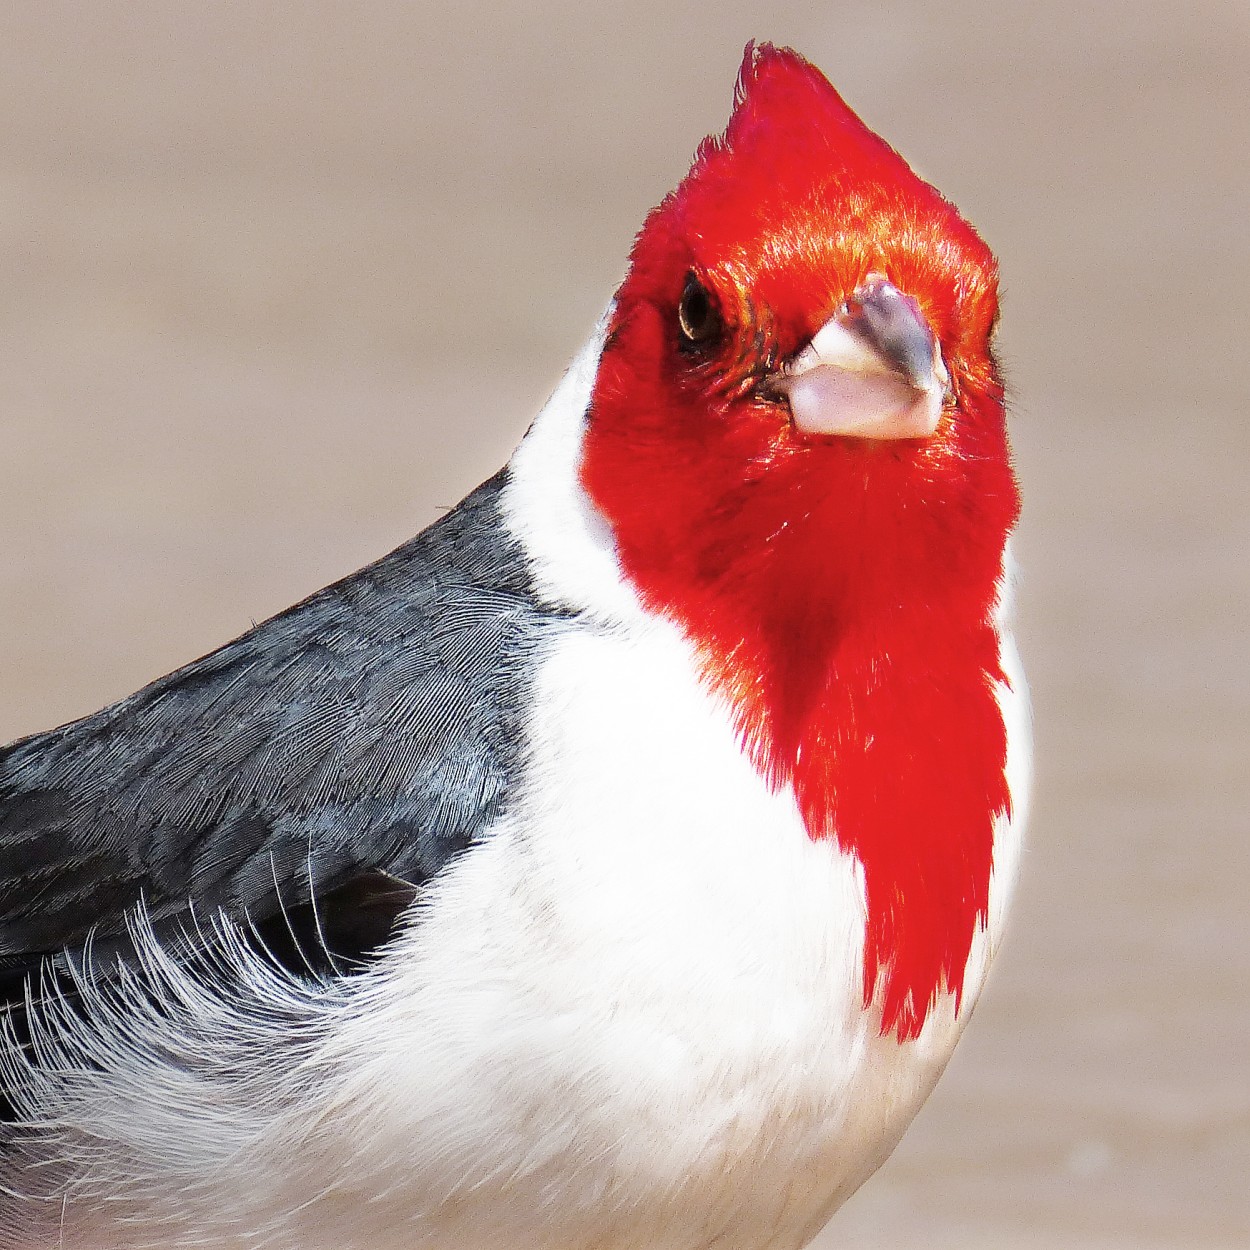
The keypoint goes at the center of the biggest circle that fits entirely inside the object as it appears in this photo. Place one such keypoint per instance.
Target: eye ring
(698, 317)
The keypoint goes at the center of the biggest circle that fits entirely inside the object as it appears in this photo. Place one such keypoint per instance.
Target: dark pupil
(696, 313)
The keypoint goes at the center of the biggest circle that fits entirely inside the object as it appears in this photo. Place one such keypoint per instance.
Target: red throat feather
(840, 592)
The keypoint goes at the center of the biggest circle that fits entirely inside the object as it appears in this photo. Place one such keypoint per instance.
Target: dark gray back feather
(366, 735)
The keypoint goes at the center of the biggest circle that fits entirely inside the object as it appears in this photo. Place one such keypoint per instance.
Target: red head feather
(840, 591)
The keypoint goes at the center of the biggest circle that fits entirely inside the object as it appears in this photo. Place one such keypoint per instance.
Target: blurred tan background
(277, 280)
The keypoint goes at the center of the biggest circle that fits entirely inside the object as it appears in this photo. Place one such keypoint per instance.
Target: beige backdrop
(276, 281)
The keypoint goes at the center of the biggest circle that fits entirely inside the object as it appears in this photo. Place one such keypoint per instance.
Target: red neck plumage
(841, 598)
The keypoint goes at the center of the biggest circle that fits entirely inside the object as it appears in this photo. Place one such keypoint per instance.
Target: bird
(617, 862)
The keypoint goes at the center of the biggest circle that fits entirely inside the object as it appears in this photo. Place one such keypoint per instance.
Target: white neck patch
(549, 513)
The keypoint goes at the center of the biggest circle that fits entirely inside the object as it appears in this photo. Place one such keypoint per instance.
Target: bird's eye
(697, 315)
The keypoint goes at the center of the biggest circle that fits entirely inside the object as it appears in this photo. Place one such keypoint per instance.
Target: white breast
(632, 1017)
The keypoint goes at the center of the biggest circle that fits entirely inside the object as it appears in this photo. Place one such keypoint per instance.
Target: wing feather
(364, 736)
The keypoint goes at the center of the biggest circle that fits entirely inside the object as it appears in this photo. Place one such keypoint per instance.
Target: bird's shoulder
(338, 751)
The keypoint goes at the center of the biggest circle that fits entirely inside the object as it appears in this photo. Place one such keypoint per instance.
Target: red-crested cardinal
(616, 863)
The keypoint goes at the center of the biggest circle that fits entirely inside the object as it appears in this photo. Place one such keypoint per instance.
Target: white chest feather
(641, 995)
(633, 1016)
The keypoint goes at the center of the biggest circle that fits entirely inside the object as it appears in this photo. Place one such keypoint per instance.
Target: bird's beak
(873, 370)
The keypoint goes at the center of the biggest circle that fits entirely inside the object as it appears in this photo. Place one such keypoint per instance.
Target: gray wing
(364, 736)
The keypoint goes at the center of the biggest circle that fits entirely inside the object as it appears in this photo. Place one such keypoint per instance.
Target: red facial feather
(840, 592)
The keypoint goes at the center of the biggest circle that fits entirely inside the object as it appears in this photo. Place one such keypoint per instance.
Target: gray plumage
(362, 737)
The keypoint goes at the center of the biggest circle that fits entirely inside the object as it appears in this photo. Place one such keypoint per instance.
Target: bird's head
(796, 436)
(800, 354)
